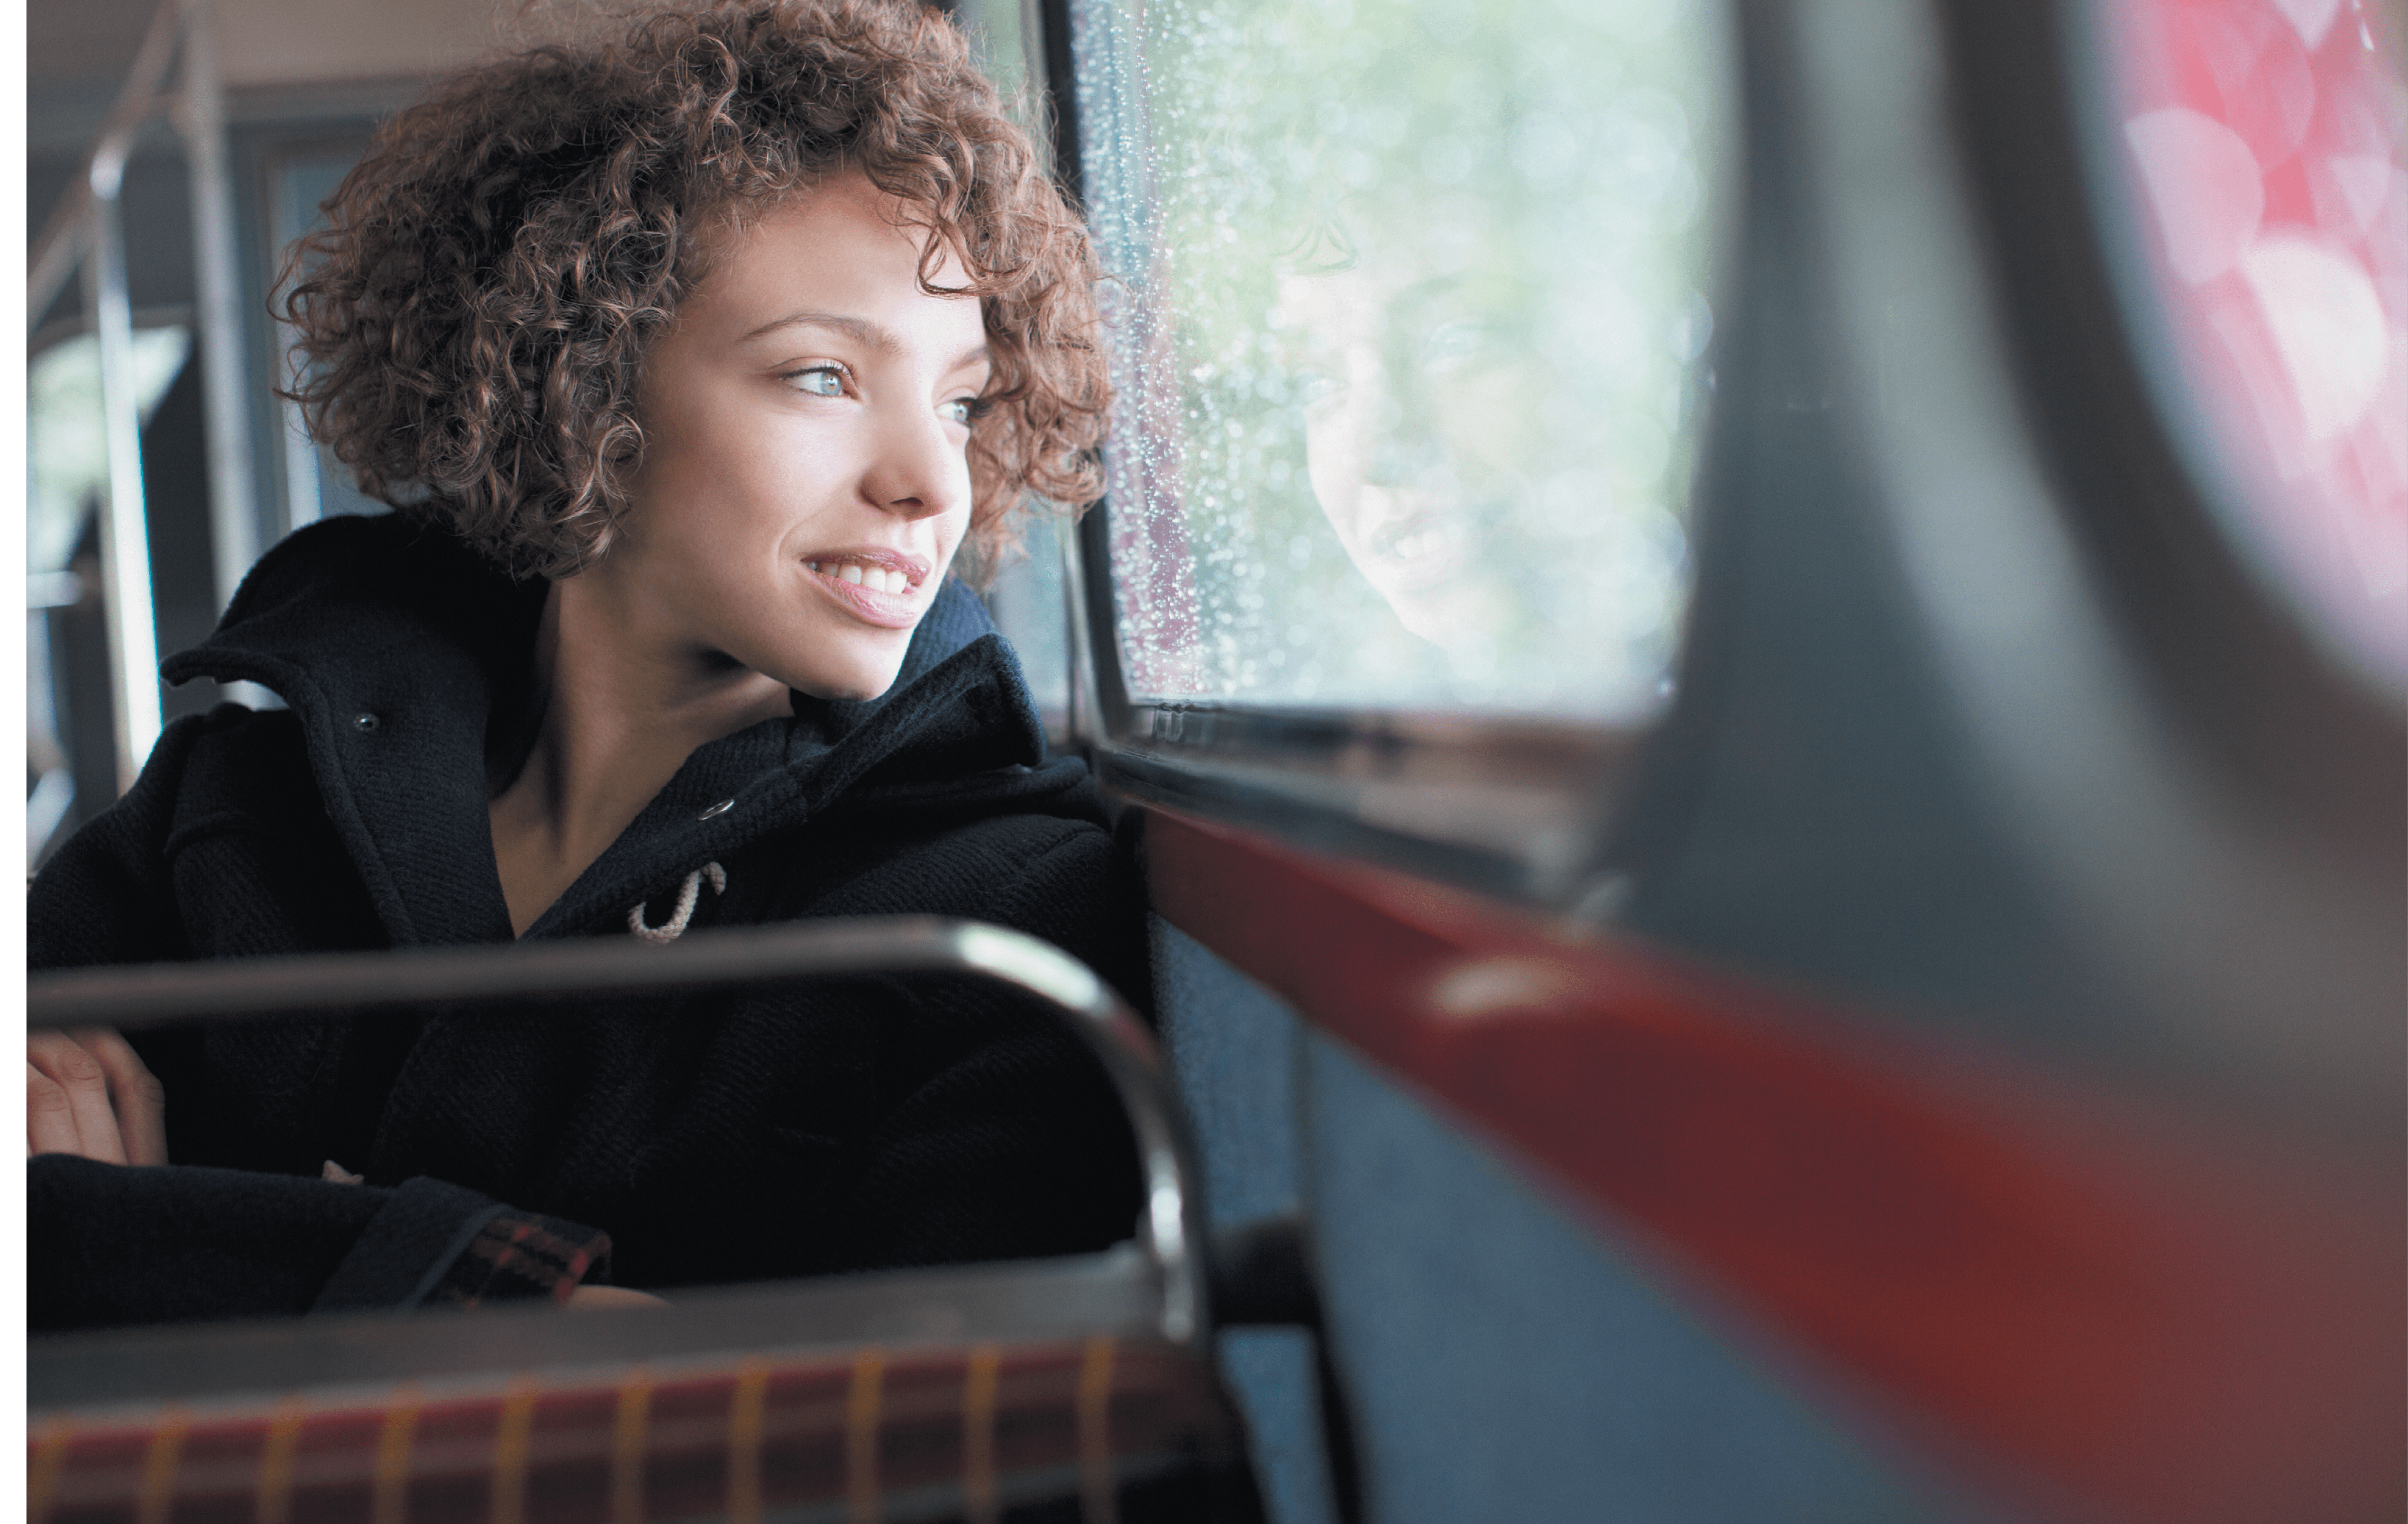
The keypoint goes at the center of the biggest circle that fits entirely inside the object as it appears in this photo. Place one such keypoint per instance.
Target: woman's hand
(590, 1299)
(87, 1093)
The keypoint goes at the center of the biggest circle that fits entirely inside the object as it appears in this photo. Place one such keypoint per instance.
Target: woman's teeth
(876, 579)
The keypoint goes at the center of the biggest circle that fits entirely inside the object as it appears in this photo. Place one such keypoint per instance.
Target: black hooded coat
(715, 1138)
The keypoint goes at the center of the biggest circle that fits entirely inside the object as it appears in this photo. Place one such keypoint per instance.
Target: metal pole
(125, 537)
(234, 501)
(61, 243)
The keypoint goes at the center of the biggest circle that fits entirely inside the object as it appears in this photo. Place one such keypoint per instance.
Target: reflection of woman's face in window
(1416, 424)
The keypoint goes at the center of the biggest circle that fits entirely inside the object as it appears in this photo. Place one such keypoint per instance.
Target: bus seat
(1078, 1387)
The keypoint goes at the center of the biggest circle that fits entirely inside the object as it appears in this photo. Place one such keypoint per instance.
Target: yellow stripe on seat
(390, 1497)
(277, 1458)
(628, 1436)
(745, 1412)
(979, 1503)
(512, 1435)
(158, 1495)
(42, 1477)
(861, 1437)
(1097, 1497)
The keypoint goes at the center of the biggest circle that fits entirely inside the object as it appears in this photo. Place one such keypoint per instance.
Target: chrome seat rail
(1169, 1227)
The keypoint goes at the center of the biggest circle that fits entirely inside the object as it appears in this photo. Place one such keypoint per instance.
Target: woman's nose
(1404, 445)
(915, 469)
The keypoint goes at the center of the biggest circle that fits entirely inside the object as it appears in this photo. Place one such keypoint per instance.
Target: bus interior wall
(1940, 1056)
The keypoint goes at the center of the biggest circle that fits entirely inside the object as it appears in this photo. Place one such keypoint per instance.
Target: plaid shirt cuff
(520, 1254)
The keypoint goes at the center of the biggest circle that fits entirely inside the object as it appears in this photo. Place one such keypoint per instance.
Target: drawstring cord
(674, 927)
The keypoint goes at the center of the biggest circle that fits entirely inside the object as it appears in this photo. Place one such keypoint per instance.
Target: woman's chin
(844, 692)
(842, 663)
(847, 684)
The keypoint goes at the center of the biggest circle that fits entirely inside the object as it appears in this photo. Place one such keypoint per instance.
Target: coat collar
(396, 646)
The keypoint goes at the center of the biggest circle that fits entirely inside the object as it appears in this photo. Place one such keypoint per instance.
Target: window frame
(1526, 809)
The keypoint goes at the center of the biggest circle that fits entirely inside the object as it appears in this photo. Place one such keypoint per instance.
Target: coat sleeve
(1019, 1148)
(105, 896)
(109, 1245)
(112, 1245)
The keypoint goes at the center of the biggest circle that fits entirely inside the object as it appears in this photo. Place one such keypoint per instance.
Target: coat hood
(404, 657)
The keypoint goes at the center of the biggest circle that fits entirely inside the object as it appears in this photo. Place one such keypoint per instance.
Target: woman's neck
(621, 709)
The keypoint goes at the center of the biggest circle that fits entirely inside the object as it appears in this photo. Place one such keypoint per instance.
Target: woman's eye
(1317, 392)
(960, 410)
(819, 380)
(1460, 346)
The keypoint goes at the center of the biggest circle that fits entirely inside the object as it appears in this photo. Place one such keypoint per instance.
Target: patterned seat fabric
(1102, 1430)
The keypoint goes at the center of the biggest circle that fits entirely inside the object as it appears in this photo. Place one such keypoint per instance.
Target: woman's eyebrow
(863, 331)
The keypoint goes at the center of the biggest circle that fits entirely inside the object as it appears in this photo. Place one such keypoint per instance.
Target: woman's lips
(1410, 542)
(866, 558)
(876, 586)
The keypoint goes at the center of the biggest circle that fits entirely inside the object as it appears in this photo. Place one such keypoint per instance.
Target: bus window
(1028, 601)
(1024, 587)
(300, 177)
(2269, 148)
(1410, 342)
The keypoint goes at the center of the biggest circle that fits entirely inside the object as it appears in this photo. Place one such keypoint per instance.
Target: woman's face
(1415, 427)
(804, 483)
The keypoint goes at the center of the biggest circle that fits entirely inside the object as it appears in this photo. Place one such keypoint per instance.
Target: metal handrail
(85, 229)
(66, 238)
(172, 994)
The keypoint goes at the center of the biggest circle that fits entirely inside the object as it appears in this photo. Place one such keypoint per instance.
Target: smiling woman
(804, 486)
(690, 364)
(793, 456)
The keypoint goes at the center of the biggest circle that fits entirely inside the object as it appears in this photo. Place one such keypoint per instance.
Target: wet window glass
(1027, 601)
(1411, 313)
(2269, 141)
(1025, 588)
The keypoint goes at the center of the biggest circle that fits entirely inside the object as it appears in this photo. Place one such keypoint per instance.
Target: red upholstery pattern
(907, 1434)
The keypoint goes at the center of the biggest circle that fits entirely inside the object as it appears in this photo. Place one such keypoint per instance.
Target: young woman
(690, 364)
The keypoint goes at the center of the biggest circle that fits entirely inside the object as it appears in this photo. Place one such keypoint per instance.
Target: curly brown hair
(473, 320)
